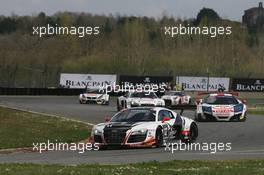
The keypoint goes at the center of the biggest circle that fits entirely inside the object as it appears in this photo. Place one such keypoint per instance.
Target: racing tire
(193, 134)
(168, 104)
(243, 119)
(106, 103)
(117, 105)
(123, 104)
(102, 148)
(198, 118)
(81, 102)
(159, 138)
(180, 102)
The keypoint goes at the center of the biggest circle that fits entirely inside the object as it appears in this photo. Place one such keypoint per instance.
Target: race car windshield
(143, 95)
(224, 100)
(133, 116)
(175, 93)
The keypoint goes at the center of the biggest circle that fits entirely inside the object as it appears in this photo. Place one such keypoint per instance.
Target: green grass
(242, 167)
(22, 129)
(258, 109)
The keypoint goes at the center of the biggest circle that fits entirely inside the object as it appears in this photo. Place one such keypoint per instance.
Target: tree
(207, 13)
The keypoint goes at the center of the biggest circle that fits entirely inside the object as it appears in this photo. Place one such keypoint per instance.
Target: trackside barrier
(40, 91)
(50, 91)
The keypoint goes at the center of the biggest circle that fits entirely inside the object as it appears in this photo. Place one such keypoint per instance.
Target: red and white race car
(144, 127)
(175, 98)
(221, 107)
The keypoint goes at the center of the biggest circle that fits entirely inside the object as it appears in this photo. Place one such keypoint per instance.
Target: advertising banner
(248, 85)
(203, 83)
(80, 81)
(134, 80)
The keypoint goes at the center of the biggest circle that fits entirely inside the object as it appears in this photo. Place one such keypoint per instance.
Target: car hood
(92, 95)
(128, 125)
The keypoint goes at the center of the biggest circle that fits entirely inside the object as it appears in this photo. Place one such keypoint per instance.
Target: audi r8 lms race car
(144, 127)
(136, 99)
(98, 96)
(174, 98)
(221, 107)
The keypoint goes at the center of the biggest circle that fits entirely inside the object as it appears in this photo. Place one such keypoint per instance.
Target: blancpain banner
(80, 81)
(248, 85)
(202, 84)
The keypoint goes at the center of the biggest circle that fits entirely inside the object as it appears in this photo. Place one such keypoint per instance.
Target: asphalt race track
(246, 138)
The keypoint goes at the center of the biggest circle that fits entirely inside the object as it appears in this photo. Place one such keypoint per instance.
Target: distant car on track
(176, 98)
(98, 96)
(137, 99)
(144, 127)
(221, 107)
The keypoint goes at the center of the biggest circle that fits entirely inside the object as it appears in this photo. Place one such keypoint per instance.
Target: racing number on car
(222, 110)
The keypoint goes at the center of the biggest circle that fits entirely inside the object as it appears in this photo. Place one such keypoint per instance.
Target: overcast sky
(178, 8)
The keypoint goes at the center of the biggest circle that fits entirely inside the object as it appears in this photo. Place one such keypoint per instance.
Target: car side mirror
(244, 101)
(166, 119)
(107, 119)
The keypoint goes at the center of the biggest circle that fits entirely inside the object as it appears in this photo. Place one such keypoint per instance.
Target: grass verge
(21, 129)
(258, 109)
(242, 167)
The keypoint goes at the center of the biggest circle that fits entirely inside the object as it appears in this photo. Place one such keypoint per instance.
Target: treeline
(126, 45)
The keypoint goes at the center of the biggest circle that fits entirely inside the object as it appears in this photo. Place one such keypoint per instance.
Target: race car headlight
(101, 96)
(96, 132)
(139, 132)
(159, 103)
(134, 103)
(207, 109)
(238, 108)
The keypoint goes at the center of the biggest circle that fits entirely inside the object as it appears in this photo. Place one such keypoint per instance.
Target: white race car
(136, 99)
(98, 96)
(221, 107)
(144, 127)
(174, 98)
